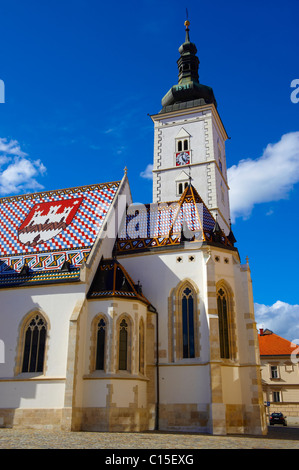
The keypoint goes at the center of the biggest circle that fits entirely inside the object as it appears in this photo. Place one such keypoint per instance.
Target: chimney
(261, 331)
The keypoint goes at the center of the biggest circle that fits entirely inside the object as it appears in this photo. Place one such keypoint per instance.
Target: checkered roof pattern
(80, 233)
(157, 220)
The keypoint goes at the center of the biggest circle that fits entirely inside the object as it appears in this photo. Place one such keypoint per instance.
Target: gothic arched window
(100, 352)
(223, 318)
(184, 322)
(123, 345)
(141, 347)
(188, 323)
(34, 345)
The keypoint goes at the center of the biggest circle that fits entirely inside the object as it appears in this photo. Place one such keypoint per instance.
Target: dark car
(278, 418)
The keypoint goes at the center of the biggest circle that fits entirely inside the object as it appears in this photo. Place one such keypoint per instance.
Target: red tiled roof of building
(274, 345)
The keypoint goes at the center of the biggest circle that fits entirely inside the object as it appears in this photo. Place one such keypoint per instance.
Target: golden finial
(187, 22)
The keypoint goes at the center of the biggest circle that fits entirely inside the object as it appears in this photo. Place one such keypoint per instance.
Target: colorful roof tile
(44, 230)
(274, 345)
(26, 278)
(168, 224)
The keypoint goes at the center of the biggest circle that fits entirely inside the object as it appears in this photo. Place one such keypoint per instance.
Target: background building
(280, 375)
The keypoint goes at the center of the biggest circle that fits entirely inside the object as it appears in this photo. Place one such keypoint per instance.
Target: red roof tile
(274, 345)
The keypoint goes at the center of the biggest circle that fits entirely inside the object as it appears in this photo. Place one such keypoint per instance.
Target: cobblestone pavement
(277, 438)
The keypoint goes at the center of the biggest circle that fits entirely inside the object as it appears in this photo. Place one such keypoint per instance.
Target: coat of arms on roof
(46, 220)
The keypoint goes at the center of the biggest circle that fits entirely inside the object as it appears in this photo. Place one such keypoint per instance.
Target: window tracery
(34, 345)
(184, 333)
(123, 345)
(101, 342)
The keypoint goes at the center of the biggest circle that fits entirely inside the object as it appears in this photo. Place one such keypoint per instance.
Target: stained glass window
(188, 323)
(34, 348)
(223, 324)
(123, 345)
(101, 333)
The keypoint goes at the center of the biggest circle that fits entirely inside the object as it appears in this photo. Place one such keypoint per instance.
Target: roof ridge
(20, 197)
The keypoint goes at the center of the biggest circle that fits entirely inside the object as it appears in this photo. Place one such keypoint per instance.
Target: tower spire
(188, 89)
(187, 24)
(188, 62)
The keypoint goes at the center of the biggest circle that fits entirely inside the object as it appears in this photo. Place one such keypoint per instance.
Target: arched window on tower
(100, 351)
(223, 318)
(188, 323)
(34, 345)
(186, 144)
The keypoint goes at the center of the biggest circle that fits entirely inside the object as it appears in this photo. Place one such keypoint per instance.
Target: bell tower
(189, 142)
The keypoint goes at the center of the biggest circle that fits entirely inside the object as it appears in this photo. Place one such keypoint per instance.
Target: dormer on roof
(112, 280)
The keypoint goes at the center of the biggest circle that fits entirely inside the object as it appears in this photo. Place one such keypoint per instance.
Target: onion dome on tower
(188, 92)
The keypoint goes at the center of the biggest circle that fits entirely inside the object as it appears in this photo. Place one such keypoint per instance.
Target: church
(123, 317)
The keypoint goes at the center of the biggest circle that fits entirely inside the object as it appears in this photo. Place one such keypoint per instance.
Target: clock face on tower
(182, 158)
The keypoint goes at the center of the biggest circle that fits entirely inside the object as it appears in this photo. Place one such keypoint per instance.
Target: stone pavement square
(278, 438)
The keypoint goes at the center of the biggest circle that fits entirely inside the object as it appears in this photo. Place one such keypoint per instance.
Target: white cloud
(11, 147)
(18, 173)
(147, 173)
(268, 178)
(281, 318)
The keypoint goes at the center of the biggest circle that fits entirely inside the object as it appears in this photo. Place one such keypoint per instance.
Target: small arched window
(188, 323)
(101, 337)
(223, 318)
(34, 345)
(123, 345)
(180, 146)
(186, 144)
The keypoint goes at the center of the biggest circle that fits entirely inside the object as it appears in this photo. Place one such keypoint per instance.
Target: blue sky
(81, 78)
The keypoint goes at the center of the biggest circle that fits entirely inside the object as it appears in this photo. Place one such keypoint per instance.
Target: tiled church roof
(168, 224)
(44, 232)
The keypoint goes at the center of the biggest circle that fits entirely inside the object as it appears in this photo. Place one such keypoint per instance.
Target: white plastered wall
(56, 303)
